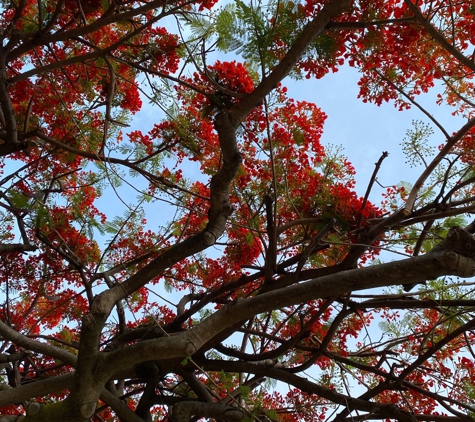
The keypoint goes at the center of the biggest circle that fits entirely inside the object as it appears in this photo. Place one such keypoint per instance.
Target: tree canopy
(243, 279)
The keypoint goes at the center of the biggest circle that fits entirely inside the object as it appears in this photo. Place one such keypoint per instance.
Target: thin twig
(371, 183)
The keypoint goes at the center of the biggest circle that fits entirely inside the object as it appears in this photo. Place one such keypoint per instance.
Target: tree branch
(412, 270)
(35, 346)
(184, 411)
(311, 31)
(38, 388)
(438, 37)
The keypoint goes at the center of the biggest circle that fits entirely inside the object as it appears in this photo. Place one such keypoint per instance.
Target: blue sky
(366, 130)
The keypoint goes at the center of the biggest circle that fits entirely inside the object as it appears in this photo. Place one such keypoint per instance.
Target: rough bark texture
(185, 411)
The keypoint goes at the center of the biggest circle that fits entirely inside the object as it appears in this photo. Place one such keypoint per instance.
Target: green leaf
(18, 199)
(415, 145)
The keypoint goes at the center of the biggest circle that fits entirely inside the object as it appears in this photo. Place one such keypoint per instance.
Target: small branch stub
(190, 348)
(87, 320)
(209, 239)
(87, 410)
(33, 409)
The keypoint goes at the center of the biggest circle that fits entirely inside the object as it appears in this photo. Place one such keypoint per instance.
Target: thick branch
(412, 270)
(184, 411)
(6, 105)
(39, 388)
(16, 247)
(219, 212)
(309, 387)
(120, 408)
(35, 346)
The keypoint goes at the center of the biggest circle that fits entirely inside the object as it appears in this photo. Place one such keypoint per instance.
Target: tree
(262, 276)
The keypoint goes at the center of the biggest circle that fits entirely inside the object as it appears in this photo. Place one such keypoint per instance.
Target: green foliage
(228, 36)
(416, 143)
(19, 200)
(200, 26)
(110, 173)
(251, 30)
(447, 288)
(433, 235)
(469, 388)
(243, 29)
(324, 46)
(117, 224)
(398, 328)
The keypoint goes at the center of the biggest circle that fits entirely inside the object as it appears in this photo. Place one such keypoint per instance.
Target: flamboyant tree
(234, 286)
